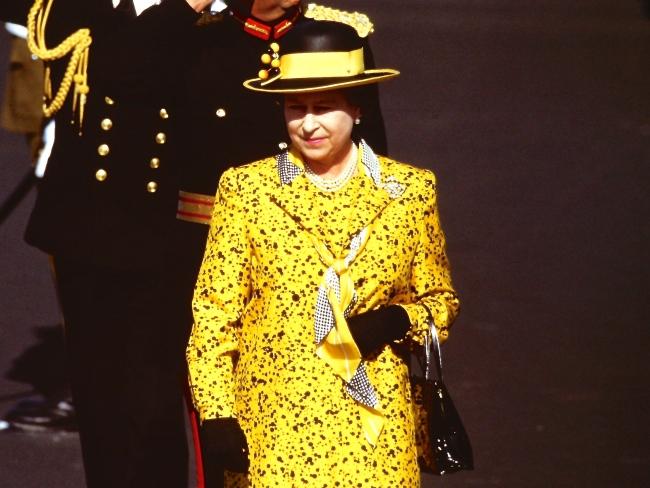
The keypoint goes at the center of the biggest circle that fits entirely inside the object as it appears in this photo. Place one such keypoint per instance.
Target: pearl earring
(357, 121)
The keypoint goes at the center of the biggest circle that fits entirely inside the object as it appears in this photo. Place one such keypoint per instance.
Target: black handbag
(442, 443)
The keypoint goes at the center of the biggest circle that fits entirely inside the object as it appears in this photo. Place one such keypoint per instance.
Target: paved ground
(536, 118)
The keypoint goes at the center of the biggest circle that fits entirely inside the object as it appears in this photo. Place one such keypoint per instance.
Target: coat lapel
(292, 198)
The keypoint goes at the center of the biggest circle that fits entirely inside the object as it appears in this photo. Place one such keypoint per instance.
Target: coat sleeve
(431, 273)
(221, 293)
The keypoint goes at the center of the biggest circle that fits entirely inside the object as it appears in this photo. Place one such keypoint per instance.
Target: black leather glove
(376, 328)
(223, 446)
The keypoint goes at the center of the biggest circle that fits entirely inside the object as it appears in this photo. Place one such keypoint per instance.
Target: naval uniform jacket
(109, 193)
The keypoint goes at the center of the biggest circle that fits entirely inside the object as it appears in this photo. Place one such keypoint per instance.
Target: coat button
(103, 150)
(154, 163)
(109, 101)
(101, 175)
(221, 113)
(106, 124)
(163, 113)
(161, 138)
(152, 186)
(282, 145)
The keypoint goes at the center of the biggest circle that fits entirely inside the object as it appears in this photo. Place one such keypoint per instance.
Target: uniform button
(101, 175)
(164, 114)
(103, 149)
(109, 101)
(154, 163)
(106, 124)
(282, 145)
(152, 186)
(221, 113)
(161, 138)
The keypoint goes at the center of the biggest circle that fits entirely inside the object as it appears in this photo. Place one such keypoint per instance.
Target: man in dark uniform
(104, 211)
(165, 115)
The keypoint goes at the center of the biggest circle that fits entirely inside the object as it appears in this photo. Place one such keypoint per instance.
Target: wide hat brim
(308, 85)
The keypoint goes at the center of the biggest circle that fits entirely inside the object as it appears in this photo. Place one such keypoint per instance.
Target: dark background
(535, 117)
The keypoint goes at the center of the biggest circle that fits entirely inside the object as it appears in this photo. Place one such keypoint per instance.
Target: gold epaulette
(359, 21)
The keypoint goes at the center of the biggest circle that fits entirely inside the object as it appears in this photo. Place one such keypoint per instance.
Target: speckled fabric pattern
(252, 353)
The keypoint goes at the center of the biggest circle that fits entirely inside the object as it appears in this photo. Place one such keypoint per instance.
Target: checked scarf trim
(288, 171)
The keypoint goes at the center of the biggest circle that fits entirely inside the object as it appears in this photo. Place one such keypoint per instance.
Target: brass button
(161, 138)
(101, 175)
(106, 124)
(221, 113)
(164, 114)
(154, 163)
(282, 145)
(152, 186)
(103, 149)
(109, 101)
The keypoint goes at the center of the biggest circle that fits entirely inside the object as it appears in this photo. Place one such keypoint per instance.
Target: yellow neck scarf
(337, 348)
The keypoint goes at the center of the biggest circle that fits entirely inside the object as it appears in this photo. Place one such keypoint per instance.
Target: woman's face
(320, 125)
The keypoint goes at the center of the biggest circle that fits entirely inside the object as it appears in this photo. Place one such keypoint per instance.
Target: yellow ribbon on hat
(338, 348)
(322, 64)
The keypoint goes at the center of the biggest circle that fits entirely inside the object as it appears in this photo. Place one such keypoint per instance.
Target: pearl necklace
(333, 184)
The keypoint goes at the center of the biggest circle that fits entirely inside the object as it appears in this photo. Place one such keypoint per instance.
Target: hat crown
(321, 36)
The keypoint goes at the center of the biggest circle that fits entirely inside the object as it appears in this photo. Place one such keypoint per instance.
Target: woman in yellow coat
(322, 262)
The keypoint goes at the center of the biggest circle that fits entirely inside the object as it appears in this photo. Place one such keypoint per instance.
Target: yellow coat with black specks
(252, 355)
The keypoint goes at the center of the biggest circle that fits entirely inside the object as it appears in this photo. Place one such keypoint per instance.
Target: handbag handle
(431, 342)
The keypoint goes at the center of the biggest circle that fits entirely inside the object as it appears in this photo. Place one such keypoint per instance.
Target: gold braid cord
(359, 21)
(77, 45)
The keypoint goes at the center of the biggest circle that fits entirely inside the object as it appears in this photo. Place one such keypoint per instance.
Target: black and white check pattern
(289, 171)
(286, 169)
(324, 318)
(370, 162)
(361, 389)
(355, 244)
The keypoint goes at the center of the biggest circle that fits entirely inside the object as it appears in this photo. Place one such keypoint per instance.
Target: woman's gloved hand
(223, 446)
(376, 328)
